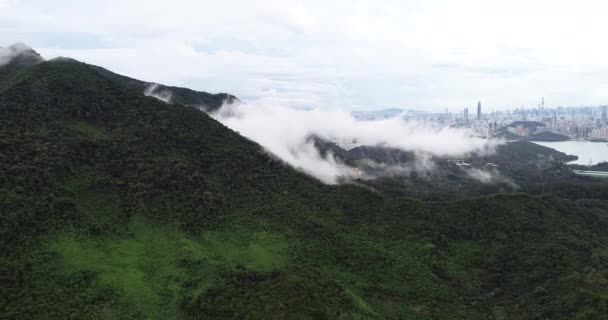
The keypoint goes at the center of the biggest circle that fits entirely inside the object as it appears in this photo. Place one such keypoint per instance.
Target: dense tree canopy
(119, 206)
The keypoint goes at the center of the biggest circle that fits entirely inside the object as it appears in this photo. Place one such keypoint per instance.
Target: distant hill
(527, 124)
(326, 148)
(381, 154)
(514, 165)
(362, 156)
(508, 135)
(377, 114)
(548, 137)
(523, 153)
(540, 136)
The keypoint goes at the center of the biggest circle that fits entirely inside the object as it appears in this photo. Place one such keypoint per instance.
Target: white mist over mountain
(161, 94)
(18, 49)
(284, 132)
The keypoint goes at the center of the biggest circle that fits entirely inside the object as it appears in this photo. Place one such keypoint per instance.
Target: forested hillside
(201, 100)
(114, 205)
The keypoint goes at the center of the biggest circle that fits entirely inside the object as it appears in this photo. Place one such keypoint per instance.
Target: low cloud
(481, 175)
(490, 177)
(153, 90)
(285, 132)
(423, 166)
(8, 54)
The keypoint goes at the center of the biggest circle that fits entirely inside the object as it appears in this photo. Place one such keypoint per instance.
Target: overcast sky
(425, 55)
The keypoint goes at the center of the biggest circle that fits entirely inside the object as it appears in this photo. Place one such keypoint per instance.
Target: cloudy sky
(367, 54)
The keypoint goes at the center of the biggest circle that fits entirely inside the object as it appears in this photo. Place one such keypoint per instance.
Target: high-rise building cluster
(574, 122)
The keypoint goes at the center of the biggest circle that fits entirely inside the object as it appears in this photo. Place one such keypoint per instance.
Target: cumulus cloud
(285, 132)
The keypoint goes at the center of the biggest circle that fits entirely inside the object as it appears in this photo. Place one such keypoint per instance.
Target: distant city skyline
(484, 110)
(581, 123)
(339, 54)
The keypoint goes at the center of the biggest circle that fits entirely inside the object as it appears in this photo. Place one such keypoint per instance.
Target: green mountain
(114, 205)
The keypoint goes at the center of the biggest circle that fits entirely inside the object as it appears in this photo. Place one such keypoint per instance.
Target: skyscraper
(466, 116)
(478, 110)
(604, 114)
(542, 103)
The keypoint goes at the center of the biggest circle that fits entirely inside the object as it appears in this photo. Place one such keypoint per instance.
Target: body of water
(587, 152)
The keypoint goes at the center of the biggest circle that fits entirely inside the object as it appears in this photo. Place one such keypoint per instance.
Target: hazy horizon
(353, 55)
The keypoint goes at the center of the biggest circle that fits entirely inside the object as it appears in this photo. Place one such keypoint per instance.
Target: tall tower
(478, 110)
(466, 116)
(542, 103)
(604, 115)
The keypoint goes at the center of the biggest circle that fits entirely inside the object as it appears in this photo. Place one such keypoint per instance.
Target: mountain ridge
(20, 57)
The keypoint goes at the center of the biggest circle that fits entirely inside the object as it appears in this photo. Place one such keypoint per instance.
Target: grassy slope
(119, 206)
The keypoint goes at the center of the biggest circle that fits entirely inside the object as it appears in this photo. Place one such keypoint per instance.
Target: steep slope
(116, 205)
